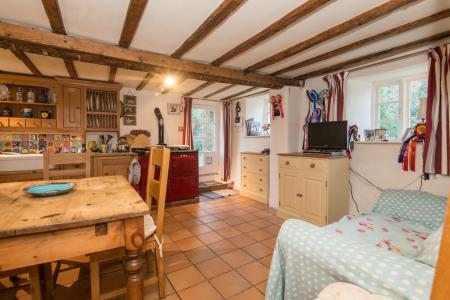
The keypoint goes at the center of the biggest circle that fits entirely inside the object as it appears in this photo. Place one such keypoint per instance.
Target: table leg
(134, 239)
(46, 274)
(36, 293)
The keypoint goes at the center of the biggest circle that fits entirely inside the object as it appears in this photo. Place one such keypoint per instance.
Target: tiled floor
(215, 249)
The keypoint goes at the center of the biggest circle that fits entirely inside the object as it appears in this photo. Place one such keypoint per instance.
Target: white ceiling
(166, 24)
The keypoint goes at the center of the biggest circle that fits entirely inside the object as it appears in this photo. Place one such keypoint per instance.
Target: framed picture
(129, 120)
(380, 134)
(130, 110)
(369, 135)
(173, 108)
(129, 100)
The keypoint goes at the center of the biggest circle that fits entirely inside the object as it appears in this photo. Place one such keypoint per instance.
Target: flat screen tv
(327, 135)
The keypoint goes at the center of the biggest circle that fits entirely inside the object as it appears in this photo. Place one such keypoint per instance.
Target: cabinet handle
(313, 165)
(245, 176)
(245, 167)
(106, 174)
(286, 163)
(260, 159)
(299, 195)
(260, 190)
(245, 185)
(260, 170)
(245, 158)
(260, 179)
(20, 124)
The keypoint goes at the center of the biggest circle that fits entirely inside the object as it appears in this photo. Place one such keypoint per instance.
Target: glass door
(205, 131)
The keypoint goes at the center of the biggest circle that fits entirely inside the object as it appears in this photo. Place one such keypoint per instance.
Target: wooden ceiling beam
(333, 32)
(250, 95)
(240, 93)
(225, 88)
(199, 88)
(369, 58)
(358, 44)
(218, 16)
(281, 24)
(112, 73)
(54, 16)
(27, 62)
(135, 11)
(82, 46)
(144, 81)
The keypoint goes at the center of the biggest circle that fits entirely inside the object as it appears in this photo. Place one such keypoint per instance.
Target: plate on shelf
(3, 92)
(50, 189)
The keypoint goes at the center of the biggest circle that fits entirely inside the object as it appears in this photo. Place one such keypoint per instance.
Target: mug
(28, 112)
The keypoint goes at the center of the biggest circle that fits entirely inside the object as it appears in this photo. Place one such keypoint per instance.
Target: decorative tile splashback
(38, 143)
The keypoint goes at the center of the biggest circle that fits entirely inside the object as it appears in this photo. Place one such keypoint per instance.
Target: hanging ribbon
(409, 148)
(277, 106)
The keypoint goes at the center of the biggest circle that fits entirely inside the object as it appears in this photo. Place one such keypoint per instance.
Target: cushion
(149, 226)
(413, 206)
(431, 247)
(347, 291)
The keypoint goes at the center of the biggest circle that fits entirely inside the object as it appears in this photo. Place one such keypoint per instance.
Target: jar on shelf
(31, 96)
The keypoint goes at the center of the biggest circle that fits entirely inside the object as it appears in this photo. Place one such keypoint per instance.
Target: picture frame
(380, 134)
(130, 110)
(369, 135)
(173, 108)
(129, 120)
(129, 100)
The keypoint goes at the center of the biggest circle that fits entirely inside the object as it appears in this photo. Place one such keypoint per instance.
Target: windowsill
(379, 142)
(257, 136)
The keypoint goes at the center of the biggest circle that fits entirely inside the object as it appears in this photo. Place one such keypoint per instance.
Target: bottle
(19, 95)
(30, 96)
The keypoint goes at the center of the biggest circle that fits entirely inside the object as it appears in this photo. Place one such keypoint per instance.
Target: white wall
(358, 101)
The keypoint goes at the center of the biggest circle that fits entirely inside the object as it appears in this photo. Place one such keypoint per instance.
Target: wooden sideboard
(255, 176)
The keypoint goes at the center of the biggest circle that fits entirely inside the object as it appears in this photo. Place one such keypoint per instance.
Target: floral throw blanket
(390, 233)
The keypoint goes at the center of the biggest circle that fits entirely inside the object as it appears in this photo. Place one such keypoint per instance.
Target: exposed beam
(281, 24)
(240, 93)
(134, 14)
(358, 44)
(200, 87)
(333, 32)
(56, 22)
(376, 56)
(24, 58)
(112, 73)
(250, 95)
(225, 88)
(218, 16)
(93, 49)
(144, 81)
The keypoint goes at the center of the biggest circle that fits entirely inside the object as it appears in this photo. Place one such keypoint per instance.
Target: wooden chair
(66, 165)
(156, 189)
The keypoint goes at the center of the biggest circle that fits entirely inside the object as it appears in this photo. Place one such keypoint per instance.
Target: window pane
(204, 131)
(389, 111)
(392, 129)
(416, 90)
(389, 93)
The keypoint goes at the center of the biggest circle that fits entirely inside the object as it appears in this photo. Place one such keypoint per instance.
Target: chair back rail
(58, 165)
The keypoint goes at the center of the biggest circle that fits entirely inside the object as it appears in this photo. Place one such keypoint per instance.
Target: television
(327, 136)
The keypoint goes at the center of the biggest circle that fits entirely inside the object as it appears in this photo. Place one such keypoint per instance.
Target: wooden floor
(215, 249)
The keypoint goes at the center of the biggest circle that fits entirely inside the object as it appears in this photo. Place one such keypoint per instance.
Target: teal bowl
(50, 189)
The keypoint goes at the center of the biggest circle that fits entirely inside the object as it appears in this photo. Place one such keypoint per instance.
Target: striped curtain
(226, 140)
(436, 149)
(335, 105)
(187, 126)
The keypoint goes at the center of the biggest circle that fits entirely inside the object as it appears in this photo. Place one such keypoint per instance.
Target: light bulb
(169, 81)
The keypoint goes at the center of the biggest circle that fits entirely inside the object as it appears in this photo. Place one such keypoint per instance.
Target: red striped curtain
(187, 126)
(335, 105)
(437, 145)
(226, 140)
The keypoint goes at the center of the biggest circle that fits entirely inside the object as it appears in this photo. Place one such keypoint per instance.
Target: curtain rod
(205, 99)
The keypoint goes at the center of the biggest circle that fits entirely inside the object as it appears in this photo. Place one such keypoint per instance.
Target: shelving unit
(102, 110)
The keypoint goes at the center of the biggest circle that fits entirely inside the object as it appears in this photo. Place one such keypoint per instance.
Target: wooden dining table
(100, 213)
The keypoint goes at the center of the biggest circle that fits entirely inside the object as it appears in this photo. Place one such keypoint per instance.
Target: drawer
(255, 168)
(254, 178)
(311, 165)
(5, 178)
(4, 122)
(33, 123)
(48, 123)
(289, 162)
(17, 122)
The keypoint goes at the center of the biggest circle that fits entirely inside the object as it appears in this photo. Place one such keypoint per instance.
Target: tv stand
(325, 152)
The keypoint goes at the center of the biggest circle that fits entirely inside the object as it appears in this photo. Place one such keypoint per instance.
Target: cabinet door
(290, 197)
(314, 198)
(109, 166)
(72, 101)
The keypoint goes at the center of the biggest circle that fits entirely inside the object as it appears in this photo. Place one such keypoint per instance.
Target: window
(258, 115)
(204, 134)
(397, 103)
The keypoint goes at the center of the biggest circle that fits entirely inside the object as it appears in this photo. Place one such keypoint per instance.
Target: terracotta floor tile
(210, 237)
(175, 210)
(170, 249)
(242, 240)
(260, 223)
(222, 247)
(188, 244)
(254, 272)
(199, 254)
(234, 221)
(262, 287)
(200, 291)
(263, 214)
(272, 229)
(223, 215)
(270, 242)
(238, 212)
(217, 225)
(257, 250)
(170, 297)
(176, 262)
(245, 227)
(185, 278)
(184, 216)
(228, 232)
(266, 260)
(172, 227)
(230, 284)
(213, 267)
(179, 235)
(250, 294)
(151, 292)
(237, 258)
(208, 219)
(191, 223)
(199, 229)
(275, 220)
(259, 235)
(199, 212)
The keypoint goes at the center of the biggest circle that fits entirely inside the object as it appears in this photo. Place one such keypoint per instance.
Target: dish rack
(102, 110)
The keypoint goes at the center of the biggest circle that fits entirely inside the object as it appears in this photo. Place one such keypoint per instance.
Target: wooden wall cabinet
(313, 189)
(71, 105)
(111, 164)
(255, 176)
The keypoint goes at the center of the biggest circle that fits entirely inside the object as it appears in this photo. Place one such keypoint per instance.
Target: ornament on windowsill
(407, 156)
(277, 106)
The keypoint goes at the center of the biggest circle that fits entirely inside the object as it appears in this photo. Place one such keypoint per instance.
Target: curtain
(335, 105)
(187, 126)
(436, 149)
(226, 140)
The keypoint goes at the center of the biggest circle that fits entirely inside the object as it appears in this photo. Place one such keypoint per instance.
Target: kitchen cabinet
(108, 164)
(26, 175)
(255, 176)
(314, 189)
(72, 108)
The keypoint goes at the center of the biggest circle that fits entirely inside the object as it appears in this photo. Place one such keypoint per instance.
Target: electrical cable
(353, 197)
(366, 180)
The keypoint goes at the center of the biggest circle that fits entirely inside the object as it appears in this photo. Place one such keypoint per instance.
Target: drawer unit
(4, 122)
(33, 123)
(255, 176)
(17, 122)
(48, 123)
